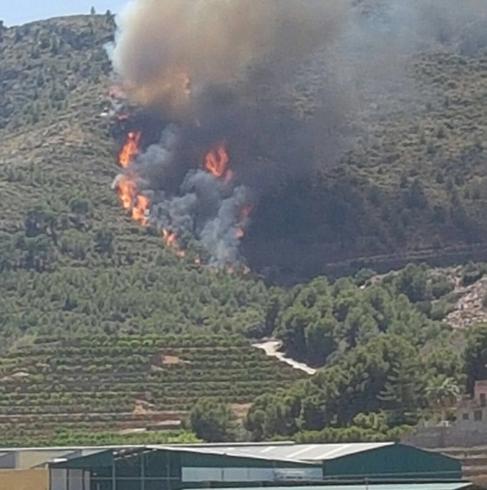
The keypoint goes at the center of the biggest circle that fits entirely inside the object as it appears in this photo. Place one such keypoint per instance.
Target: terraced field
(128, 383)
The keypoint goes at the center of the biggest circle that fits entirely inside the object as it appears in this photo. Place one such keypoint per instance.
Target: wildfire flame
(130, 149)
(170, 238)
(171, 241)
(131, 200)
(139, 211)
(127, 191)
(217, 162)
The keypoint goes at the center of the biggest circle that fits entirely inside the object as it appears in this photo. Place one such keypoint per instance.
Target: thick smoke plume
(241, 97)
(165, 45)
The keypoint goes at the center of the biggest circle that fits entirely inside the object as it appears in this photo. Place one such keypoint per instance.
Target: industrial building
(338, 466)
(177, 468)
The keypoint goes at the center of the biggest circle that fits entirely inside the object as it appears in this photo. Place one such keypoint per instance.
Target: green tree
(403, 391)
(442, 393)
(272, 313)
(412, 281)
(212, 421)
(38, 253)
(476, 355)
(320, 340)
(104, 242)
(275, 414)
(39, 221)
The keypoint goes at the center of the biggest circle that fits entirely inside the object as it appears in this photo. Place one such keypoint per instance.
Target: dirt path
(271, 348)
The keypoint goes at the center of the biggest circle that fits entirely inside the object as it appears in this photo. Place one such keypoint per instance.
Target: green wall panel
(393, 462)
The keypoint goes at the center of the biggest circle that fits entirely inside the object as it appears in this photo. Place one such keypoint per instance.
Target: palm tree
(443, 393)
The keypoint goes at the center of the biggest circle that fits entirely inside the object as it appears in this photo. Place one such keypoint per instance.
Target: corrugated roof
(286, 452)
(299, 452)
(290, 453)
(236, 452)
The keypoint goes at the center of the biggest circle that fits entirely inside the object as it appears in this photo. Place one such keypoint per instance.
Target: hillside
(77, 388)
(410, 187)
(63, 238)
(87, 294)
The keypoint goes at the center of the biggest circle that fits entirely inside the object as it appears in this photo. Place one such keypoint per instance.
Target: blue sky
(14, 12)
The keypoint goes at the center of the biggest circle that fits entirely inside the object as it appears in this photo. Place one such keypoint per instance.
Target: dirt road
(271, 348)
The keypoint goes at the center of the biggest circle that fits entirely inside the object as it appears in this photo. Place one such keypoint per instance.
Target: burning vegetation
(222, 109)
(200, 178)
(217, 163)
(130, 149)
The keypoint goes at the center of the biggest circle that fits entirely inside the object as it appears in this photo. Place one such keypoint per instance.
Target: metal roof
(285, 452)
(214, 451)
(236, 452)
(304, 454)
(297, 452)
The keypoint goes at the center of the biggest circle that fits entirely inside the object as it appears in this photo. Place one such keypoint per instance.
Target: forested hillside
(74, 267)
(70, 260)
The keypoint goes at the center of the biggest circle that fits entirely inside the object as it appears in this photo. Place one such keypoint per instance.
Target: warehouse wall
(24, 479)
(237, 475)
(223, 468)
(69, 479)
(392, 463)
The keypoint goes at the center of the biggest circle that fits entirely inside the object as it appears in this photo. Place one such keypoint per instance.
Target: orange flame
(130, 149)
(139, 211)
(131, 200)
(169, 237)
(216, 162)
(171, 241)
(127, 191)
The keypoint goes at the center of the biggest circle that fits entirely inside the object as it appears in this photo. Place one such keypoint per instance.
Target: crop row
(100, 389)
(134, 388)
(158, 376)
(109, 383)
(20, 402)
(94, 354)
(44, 344)
(131, 362)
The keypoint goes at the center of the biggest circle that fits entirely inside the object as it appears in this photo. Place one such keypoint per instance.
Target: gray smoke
(283, 84)
(213, 42)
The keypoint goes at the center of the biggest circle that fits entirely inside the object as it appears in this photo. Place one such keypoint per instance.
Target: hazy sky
(14, 12)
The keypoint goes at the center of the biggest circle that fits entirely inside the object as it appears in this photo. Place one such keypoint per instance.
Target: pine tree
(403, 392)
